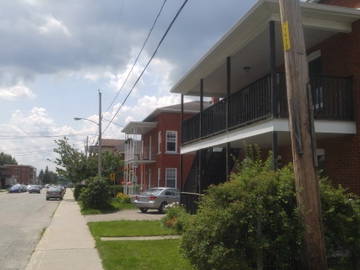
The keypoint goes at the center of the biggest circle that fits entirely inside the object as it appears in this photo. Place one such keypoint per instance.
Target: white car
(156, 198)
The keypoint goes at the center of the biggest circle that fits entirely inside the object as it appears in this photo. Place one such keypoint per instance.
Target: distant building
(152, 149)
(17, 174)
(110, 145)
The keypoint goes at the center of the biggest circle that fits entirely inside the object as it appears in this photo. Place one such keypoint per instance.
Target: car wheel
(162, 206)
(143, 210)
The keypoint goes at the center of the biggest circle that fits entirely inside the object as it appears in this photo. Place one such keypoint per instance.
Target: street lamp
(99, 125)
(80, 118)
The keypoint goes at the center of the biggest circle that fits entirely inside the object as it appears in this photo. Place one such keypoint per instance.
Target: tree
(112, 163)
(6, 159)
(41, 176)
(48, 177)
(71, 163)
(76, 166)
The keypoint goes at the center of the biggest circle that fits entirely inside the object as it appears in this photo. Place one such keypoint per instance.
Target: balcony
(332, 100)
(135, 152)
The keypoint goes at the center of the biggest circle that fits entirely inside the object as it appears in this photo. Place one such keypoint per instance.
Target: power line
(8, 137)
(137, 57)
(32, 153)
(148, 63)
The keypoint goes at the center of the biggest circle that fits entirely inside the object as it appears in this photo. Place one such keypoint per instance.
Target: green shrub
(97, 194)
(254, 218)
(176, 218)
(77, 190)
(123, 198)
(115, 189)
(341, 218)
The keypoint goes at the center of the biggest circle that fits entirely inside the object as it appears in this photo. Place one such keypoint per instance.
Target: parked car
(34, 189)
(156, 198)
(63, 189)
(17, 188)
(54, 193)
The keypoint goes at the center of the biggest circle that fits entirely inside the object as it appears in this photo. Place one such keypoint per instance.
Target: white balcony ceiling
(139, 127)
(260, 133)
(248, 45)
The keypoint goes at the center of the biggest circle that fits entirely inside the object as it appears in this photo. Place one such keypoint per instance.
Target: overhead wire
(138, 55)
(148, 63)
(9, 137)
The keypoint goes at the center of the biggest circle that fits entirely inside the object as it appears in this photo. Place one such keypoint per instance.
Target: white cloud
(26, 137)
(53, 25)
(16, 91)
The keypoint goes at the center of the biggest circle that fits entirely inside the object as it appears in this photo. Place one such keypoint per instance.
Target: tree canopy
(7, 159)
(76, 166)
(48, 177)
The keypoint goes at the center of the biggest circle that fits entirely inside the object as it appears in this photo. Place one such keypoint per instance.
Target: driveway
(133, 214)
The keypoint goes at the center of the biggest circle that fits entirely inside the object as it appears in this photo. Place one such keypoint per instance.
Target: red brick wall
(344, 3)
(23, 174)
(341, 57)
(166, 121)
(341, 164)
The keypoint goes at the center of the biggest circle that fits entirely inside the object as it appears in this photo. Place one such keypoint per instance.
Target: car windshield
(53, 189)
(153, 191)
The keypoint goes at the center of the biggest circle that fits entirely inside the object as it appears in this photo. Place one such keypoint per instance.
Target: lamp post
(99, 125)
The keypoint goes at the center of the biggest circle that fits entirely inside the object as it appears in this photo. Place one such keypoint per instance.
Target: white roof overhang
(139, 127)
(247, 42)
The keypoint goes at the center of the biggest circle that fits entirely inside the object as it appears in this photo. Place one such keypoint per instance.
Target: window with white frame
(150, 148)
(170, 177)
(159, 177)
(171, 141)
(159, 142)
(149, 175)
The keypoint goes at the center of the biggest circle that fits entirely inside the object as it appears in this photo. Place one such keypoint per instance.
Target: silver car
(156, 198)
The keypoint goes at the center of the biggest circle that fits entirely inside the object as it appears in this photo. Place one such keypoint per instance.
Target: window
(159, 142)
(149, 175)
(170, 177)
(315, 70)
(320, 155)
(150, 148)
(171, 137)
(159, 175)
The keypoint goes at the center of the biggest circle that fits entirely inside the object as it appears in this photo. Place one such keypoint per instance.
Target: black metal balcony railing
(332, 100)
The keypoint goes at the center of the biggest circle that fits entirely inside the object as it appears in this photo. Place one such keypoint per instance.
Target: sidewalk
(67, 242)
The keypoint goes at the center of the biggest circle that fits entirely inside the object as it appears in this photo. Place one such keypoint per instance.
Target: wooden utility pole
(302, 132)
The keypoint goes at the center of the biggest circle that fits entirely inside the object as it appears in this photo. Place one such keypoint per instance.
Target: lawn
(116, 205)
(139, 255)
(142, 255)
(128, 228)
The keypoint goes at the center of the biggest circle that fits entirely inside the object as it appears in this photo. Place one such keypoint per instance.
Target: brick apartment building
(152, 149)
(17, 174)
(245, 70)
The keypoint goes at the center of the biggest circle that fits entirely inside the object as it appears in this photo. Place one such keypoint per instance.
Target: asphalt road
(23, 217)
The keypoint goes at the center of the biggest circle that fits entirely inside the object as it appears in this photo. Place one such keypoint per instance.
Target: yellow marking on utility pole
(286, 36)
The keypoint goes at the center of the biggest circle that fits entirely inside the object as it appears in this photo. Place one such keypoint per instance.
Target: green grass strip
(115, 206)
(128, 228)
(142, 255)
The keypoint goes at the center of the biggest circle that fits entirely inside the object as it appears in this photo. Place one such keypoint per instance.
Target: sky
(56, 55)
